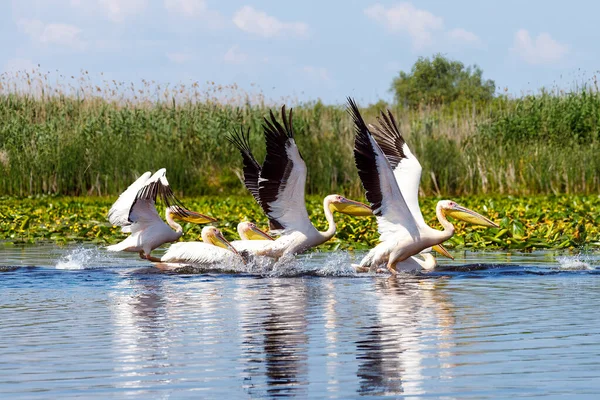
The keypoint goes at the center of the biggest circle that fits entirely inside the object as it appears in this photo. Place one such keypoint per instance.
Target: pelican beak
(196, 218)
(442, 250)
(257, 234)
(470, 216)
(220, 241)
(351, 207)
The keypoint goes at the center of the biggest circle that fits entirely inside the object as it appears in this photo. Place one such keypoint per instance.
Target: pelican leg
(153, 259)
(391, 267)
(393, 259)
(142, 255)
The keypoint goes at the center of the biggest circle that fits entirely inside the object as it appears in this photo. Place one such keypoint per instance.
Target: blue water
(486, 325)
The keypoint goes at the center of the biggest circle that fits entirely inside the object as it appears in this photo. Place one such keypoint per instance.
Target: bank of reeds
(79, 138)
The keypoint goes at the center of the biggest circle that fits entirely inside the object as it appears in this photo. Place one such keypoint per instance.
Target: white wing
(283, 178)
(407, 169)
(118, 214)
(382, 191)
(143, 215)
(198, 253)
(408, 176)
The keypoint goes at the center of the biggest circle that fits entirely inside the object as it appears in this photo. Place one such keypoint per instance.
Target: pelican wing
(382, 191)
(283, 177)
(197, 253)
(241, 140)
(156, 186)
(118, 214)
(136, 204)
(406, 167)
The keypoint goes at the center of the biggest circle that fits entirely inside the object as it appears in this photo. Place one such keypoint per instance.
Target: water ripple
(485, 325)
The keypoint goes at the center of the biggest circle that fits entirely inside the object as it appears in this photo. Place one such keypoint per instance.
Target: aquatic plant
(526, 223)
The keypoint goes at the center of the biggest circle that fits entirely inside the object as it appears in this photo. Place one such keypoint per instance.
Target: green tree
(441, 81)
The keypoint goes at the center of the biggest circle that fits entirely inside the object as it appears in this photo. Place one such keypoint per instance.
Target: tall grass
(73, 137)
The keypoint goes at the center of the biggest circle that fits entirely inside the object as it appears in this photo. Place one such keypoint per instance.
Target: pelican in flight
(134, 211)
(278, 186)
(407, 169)
(213, 251)
(401, 234)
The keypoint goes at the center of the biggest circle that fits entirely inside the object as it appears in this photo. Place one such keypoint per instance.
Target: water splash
(578, 262)
(82, 258)
(316, 264)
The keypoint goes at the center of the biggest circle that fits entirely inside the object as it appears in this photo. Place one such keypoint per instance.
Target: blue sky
(303, 50)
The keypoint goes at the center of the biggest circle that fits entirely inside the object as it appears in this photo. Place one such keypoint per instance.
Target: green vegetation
(81, 139)
(526, 223)
(439, 81)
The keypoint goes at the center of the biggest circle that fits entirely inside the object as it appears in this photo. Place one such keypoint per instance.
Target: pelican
(406, 167)
(214, 250)
(279, 189)
(401, 234)
(249, 231)
(134, 211)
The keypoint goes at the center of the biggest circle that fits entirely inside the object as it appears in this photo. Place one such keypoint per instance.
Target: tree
(441, 81)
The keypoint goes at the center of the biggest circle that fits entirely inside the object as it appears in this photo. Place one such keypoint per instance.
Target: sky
(303, 50)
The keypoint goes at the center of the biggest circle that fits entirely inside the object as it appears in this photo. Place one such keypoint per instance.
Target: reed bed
(71, 136)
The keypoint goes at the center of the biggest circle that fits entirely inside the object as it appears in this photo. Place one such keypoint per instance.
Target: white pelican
(279, 189)
(406, 167)
(400, 233)
(134, 211)
(249, 231)
(215, 250)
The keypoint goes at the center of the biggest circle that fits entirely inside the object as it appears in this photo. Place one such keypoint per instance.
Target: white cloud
(260, 23)
(420, 25)
(196, 10)
(317, 73)
(188, 8)
(462, 35)
(179, 58)
(118, 10)
(235, 56)
(541, 50)
(52, 34)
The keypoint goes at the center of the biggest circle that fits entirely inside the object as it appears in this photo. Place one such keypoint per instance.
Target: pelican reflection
(408, 338)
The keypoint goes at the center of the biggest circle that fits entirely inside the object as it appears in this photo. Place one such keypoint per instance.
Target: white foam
(574, 263)
(321, 264)
(81, 258)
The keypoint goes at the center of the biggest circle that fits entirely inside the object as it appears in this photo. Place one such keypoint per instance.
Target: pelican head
(213, 236)
(335, 202)
(249, 231)
(189, 216)
(461, 213)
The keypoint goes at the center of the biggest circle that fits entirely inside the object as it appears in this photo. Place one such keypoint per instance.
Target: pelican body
(136, 213)
(401, 234)
(213, 251)
(278, 186)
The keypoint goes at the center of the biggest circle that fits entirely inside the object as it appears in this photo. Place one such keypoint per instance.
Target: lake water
(486, 325)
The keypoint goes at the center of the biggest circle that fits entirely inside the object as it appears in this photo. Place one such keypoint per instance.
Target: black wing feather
(389, 138)
(364, 157)
(164, 193)
(277, 166)
(252, 168)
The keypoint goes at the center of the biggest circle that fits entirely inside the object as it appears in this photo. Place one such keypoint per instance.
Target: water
(79, 322)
